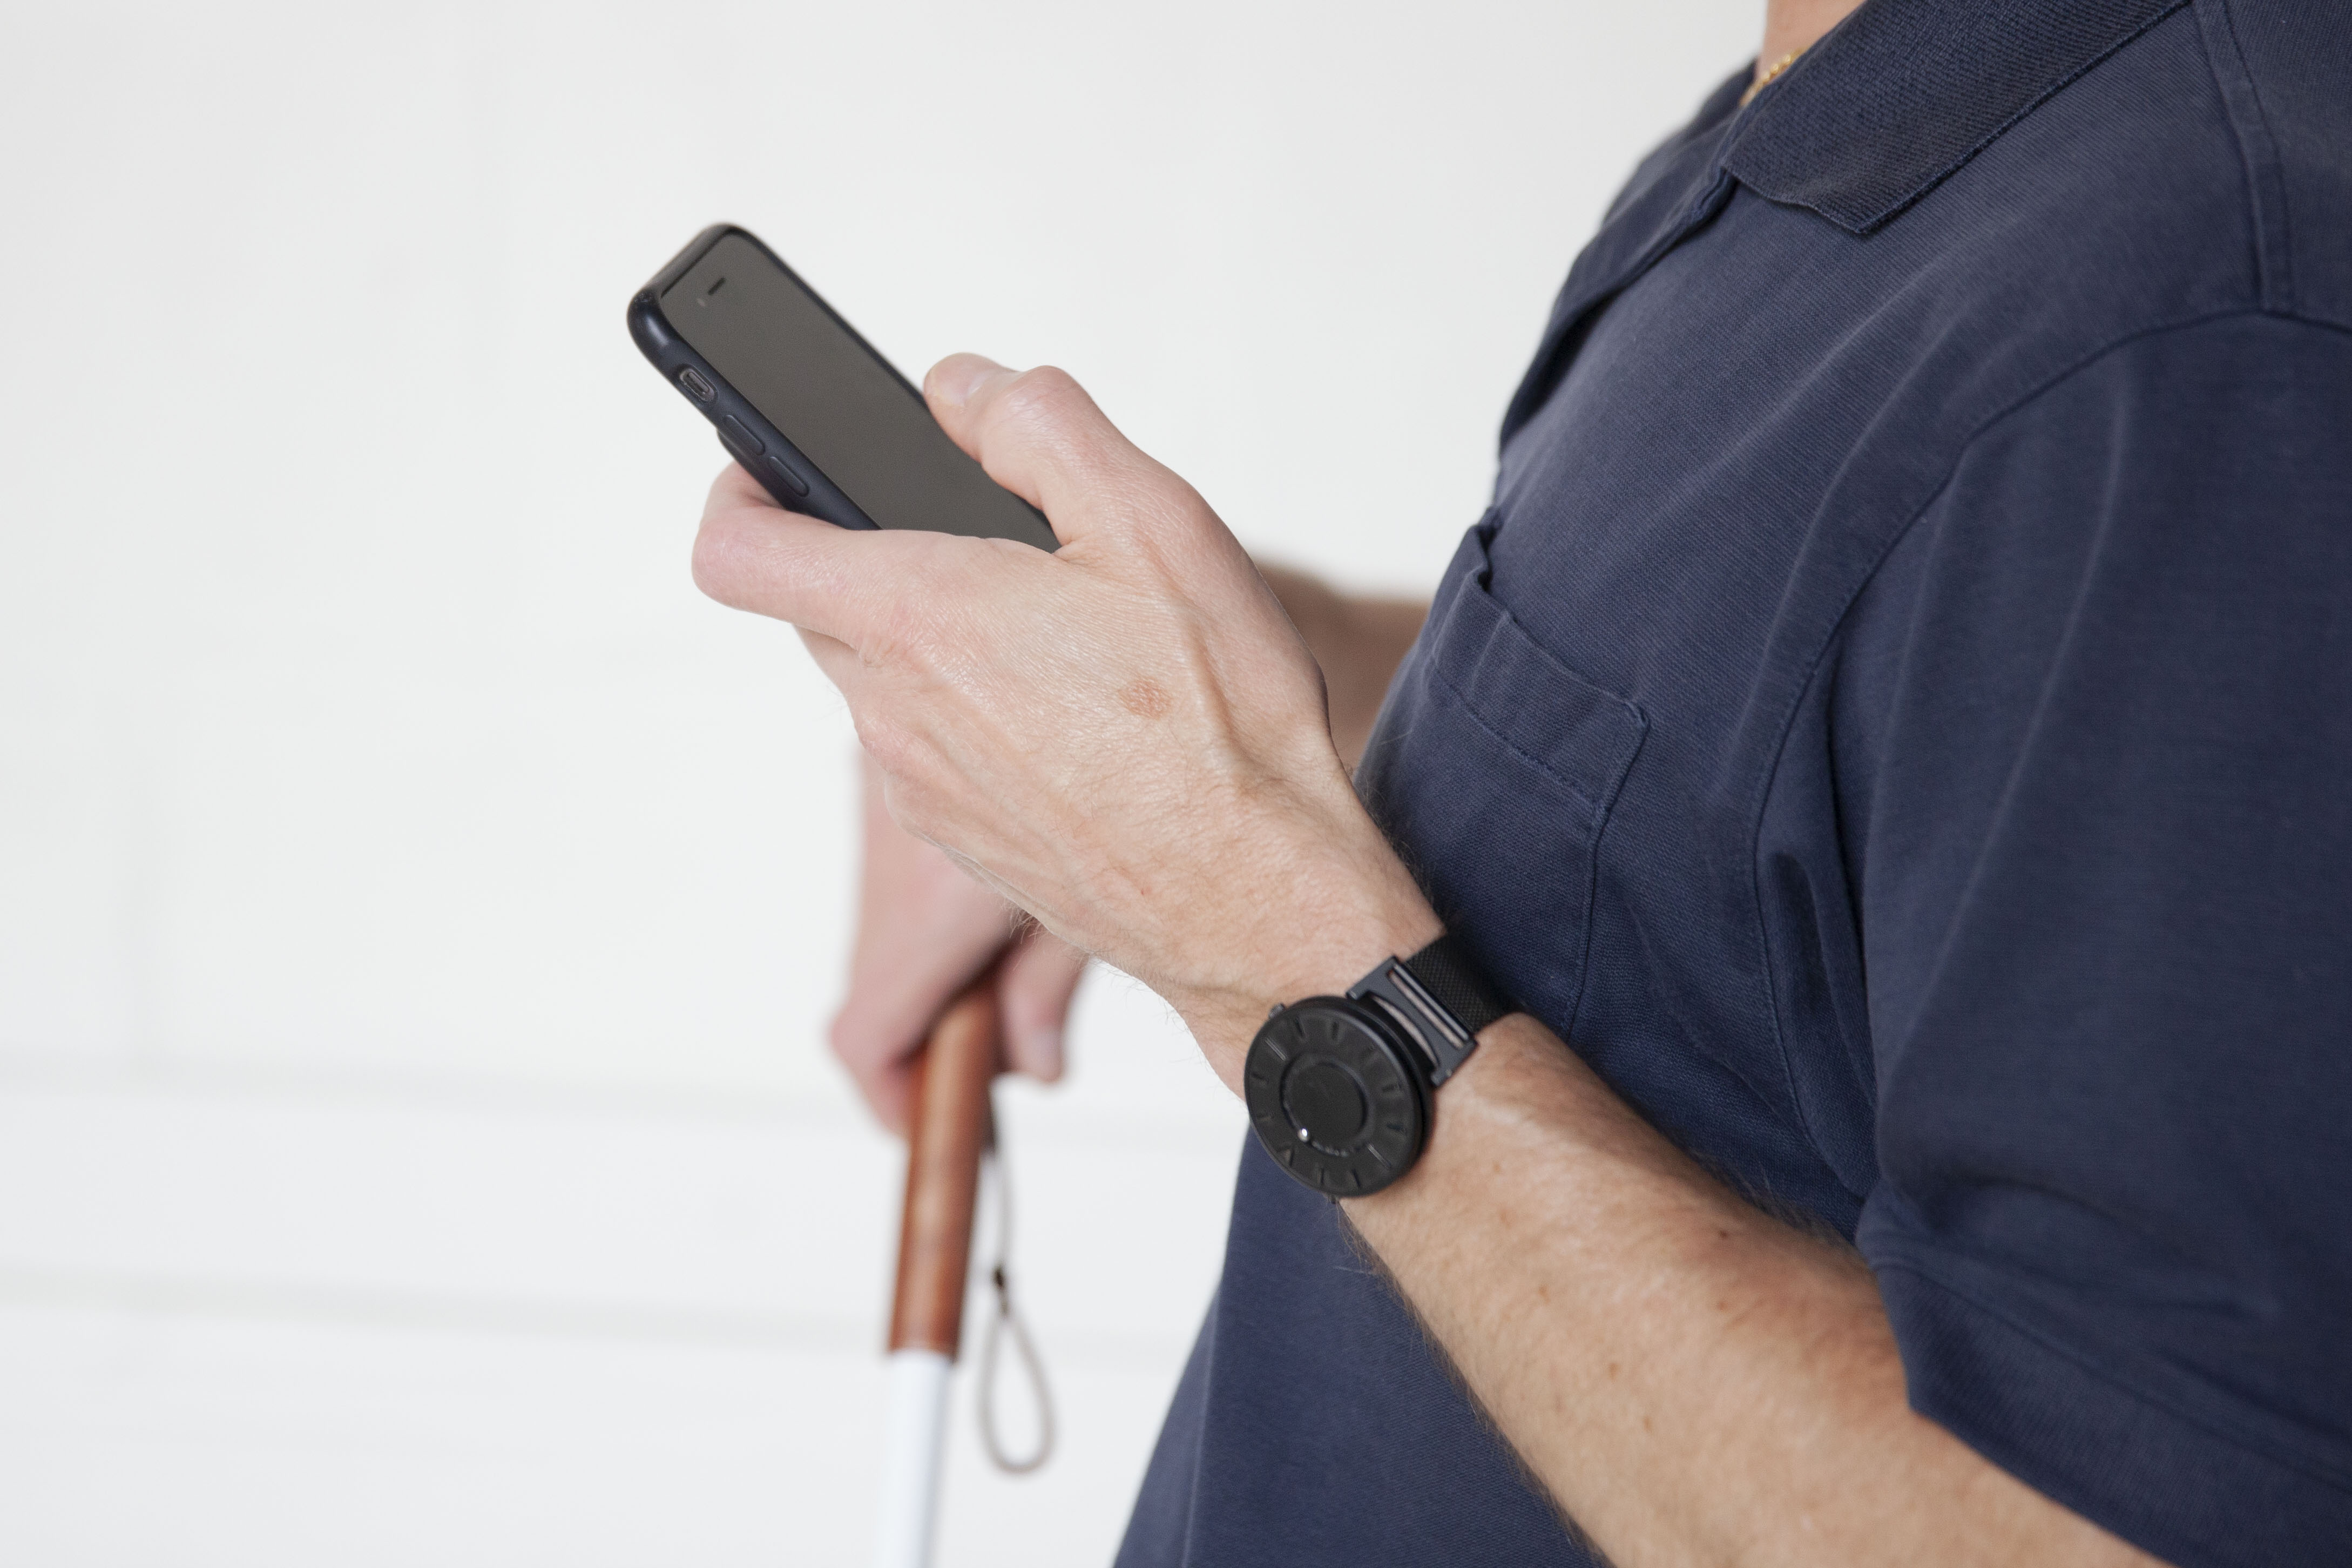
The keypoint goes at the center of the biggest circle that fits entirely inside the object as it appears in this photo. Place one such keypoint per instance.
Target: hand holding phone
(1126, 738)
(824, 422)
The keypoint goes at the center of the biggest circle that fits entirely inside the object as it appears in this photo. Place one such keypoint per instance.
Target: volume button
(739, 435)
(784, 475)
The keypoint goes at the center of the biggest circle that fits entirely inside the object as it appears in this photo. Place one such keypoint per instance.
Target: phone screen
(828, 395)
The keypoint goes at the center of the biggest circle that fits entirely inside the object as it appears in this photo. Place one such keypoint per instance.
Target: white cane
(947, 1133)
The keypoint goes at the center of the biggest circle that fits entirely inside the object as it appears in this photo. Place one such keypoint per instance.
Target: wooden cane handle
(949, 1132)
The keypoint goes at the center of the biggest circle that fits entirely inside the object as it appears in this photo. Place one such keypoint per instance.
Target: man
(1887, 739)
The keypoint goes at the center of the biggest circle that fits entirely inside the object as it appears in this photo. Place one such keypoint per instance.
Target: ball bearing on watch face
(1334, 1096)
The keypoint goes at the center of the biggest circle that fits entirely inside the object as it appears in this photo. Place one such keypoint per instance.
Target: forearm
(1358, 641)
(1691, 1380)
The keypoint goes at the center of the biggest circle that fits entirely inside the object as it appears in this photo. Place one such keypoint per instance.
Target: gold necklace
(1767, 75)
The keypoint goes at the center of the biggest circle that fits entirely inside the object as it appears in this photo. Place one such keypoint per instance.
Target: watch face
(1334, 1098)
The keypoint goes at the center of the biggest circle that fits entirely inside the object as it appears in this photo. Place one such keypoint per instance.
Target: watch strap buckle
(1440, 999)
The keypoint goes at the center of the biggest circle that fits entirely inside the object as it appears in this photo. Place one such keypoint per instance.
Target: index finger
(736, 486)
(753, 555)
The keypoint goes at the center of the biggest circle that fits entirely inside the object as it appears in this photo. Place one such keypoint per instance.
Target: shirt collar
(1903, 92)
(1898, 96)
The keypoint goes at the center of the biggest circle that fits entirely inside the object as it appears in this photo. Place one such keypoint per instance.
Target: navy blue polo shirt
(1895, 724)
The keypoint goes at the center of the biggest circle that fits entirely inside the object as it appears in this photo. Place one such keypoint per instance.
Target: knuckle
(1050, 381)
(1039, 402)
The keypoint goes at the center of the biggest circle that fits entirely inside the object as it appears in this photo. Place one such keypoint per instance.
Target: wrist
(1336, 919)
(1509, 1075)
(1522, 1076)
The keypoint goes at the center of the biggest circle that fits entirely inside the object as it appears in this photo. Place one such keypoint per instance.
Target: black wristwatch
(1339, 1087)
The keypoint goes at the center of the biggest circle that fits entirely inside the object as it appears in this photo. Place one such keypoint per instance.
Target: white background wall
(418, 908)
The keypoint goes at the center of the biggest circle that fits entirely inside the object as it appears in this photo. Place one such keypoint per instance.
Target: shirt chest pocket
(1493, 771)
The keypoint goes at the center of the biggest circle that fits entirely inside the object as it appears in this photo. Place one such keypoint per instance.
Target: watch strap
(1454, 980)
(1441, 997)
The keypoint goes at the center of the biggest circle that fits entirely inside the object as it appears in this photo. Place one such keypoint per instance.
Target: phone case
(767, 454)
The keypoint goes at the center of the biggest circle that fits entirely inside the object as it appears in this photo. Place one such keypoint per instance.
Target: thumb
(1039, 435)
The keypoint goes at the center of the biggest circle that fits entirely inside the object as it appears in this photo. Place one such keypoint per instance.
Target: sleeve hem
(2160, 1478)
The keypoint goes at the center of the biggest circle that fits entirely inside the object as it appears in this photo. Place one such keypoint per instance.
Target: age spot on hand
(1144, 697)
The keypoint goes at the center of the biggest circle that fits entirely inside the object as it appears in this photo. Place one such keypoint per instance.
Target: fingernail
(959, 376)
(1043, 1049)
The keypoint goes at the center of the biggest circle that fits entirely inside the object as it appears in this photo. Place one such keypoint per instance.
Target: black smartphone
(806, 404)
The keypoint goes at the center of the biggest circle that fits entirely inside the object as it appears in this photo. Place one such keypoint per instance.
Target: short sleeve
(2106, 912)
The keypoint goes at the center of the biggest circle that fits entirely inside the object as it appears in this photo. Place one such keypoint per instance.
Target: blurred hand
(1127, 738)
(925, 929)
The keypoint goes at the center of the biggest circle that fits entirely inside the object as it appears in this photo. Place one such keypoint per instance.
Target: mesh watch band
(1457, 985)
